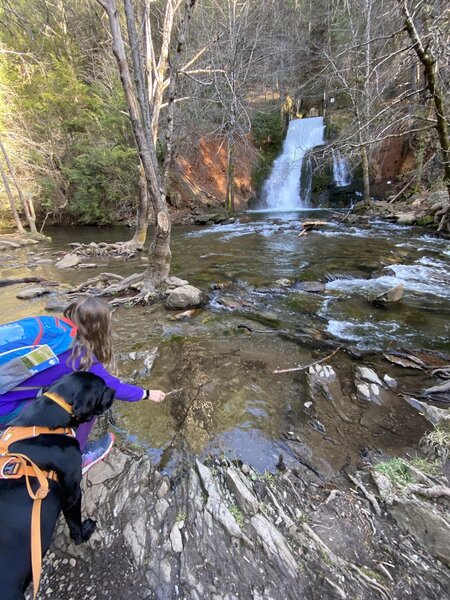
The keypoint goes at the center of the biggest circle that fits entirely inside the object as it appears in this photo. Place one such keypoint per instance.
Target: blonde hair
(92, 316)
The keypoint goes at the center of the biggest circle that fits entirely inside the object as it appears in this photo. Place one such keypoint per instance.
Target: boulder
(406, 218)
(185, 296)
(69, 261)
(395, 294)
(32, 292)
(205, 219)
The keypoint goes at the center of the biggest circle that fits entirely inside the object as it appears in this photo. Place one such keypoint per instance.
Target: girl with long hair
(91, 351)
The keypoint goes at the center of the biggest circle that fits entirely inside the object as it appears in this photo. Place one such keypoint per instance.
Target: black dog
(89, 396)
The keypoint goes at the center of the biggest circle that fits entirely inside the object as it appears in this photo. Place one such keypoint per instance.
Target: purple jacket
(10, 401)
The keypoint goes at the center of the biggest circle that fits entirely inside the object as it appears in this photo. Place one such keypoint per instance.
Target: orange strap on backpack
(13, 466)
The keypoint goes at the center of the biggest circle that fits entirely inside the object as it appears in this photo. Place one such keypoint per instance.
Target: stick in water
(306, 366)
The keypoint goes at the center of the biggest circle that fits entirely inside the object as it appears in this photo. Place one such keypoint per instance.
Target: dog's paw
(87, 529)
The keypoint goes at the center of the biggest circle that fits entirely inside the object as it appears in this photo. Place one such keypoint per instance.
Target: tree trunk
(26, 203)
(159, 253)
(229, 198)
(143, 211)
(430, 67)
(366, 179)
(12, 202)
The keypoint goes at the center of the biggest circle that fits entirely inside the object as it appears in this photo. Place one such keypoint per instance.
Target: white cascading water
(282, 190)
(341, 174)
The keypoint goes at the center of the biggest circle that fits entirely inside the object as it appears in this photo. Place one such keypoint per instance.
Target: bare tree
(26, 202)
(426, 46)
(140, 106)
(12, 202)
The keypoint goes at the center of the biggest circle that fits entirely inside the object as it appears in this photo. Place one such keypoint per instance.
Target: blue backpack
(31, 345)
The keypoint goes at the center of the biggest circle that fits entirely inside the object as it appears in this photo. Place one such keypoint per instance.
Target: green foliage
(237, 514)
(438, 441)
(63, 103)
(268, 137)
(429, 467)
(397, 470)
(104, 184)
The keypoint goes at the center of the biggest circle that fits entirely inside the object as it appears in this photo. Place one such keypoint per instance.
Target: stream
(223, 357)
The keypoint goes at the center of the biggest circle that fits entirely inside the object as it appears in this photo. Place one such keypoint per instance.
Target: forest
(379, 71)
(257, 194)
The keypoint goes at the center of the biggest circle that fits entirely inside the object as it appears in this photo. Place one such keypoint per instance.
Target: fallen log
(44, 282)
(310, 225)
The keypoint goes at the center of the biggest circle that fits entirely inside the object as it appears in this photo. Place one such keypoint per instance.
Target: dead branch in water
(317, 362)
(43, 282)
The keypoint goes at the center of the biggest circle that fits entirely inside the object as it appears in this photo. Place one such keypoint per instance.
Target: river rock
(369, 392)
(32, 292)
(369, 375)
(69, 261)
(426, 522)
(395, 294)
(245, 499)
(8, 245)
(44, 261)
(176, 539)
(383, 272)
(205, 219)
(406, 218)
(433, 414)
(324, 380)
(274, 544)
(57, 303)
(313, 287)
(87, 265)
(185, 296)
(175, 282)
(283, 282)
(390, 382)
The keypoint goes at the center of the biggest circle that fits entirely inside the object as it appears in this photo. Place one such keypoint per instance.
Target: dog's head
(87, 393)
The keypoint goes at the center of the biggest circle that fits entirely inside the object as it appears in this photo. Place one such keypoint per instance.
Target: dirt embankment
(200, 177)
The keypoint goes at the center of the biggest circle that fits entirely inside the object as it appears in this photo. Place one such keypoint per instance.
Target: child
(91, 352)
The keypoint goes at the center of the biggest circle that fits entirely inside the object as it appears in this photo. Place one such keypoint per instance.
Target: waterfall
(341, 174)
(282, 190)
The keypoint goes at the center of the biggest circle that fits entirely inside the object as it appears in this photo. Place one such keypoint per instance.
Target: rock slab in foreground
(193, 539)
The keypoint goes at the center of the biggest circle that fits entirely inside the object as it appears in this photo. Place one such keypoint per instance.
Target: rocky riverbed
(220, 530)
(250, 482)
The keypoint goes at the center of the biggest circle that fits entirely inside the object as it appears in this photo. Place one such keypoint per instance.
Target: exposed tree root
(441, 214)
(110, 284)
(94, 284)
(436, 491)
(123, 249)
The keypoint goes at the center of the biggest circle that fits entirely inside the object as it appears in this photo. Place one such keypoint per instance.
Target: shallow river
(223, 357)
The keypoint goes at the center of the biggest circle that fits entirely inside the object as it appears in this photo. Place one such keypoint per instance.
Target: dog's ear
(106, 400)
(84, 405)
